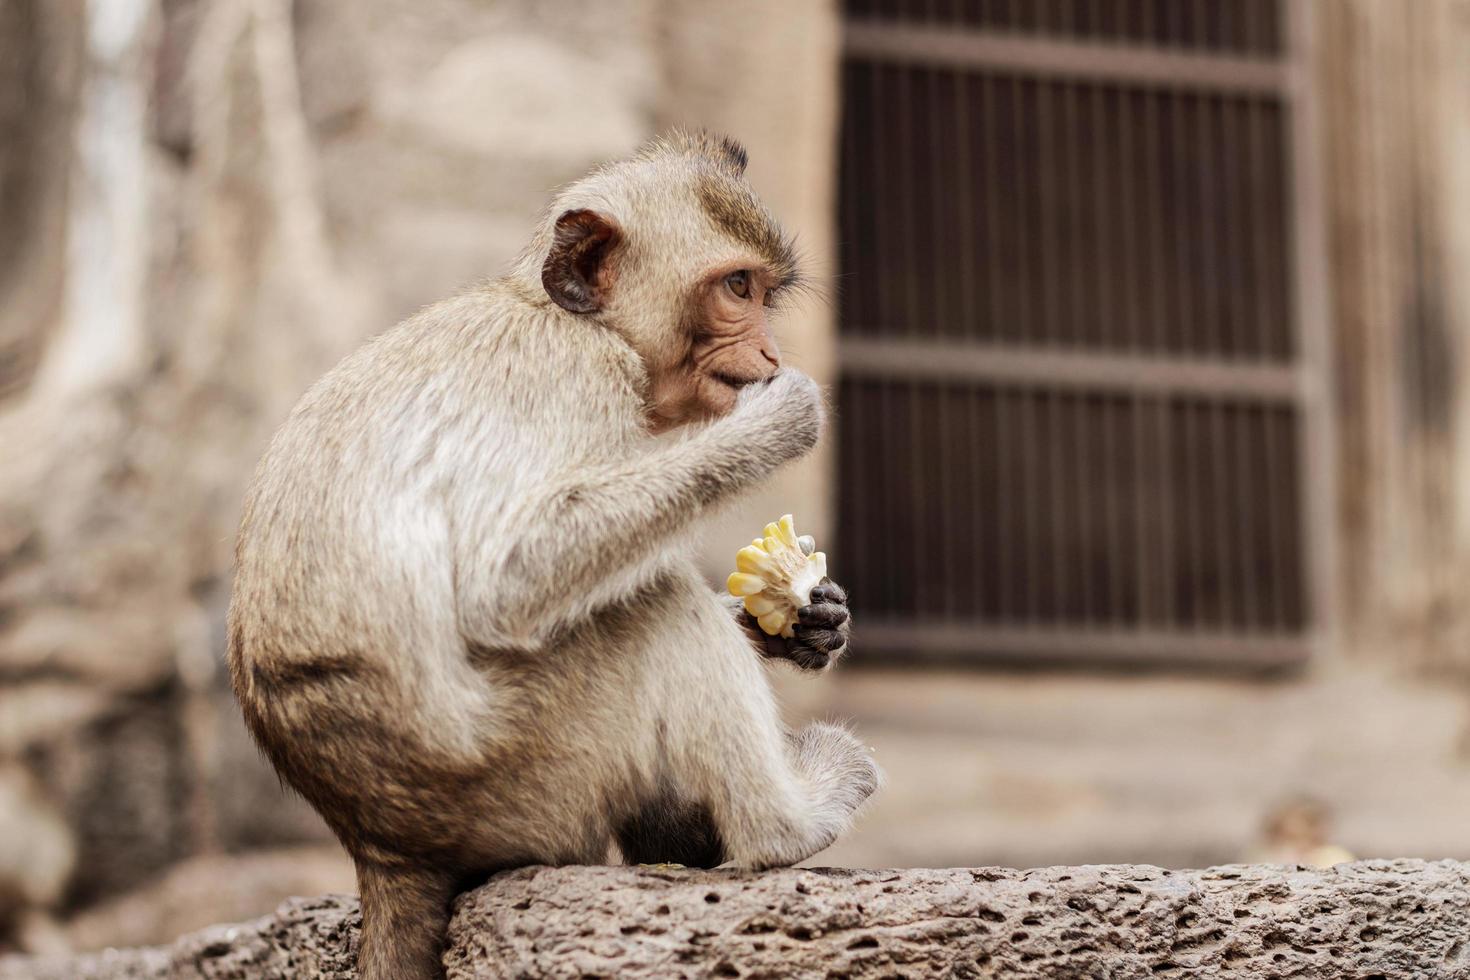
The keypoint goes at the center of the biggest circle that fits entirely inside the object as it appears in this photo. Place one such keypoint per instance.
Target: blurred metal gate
(1082, 401)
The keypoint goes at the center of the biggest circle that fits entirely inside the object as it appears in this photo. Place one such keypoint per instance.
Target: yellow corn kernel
(775, 575)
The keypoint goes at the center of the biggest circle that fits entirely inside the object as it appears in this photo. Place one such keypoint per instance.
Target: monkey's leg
(672, 830)
(807, 802)
(776, 798)
(405, 913)
(840, 768)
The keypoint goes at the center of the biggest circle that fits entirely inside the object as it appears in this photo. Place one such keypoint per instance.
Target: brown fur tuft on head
(728, 200)
(723, 151)
(736, 211)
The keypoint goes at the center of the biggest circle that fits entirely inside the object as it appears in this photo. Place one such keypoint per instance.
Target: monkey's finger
(778, 647)
(829, 591)
(824, 614)
(774, 647)
(828, 641)
(809, 658)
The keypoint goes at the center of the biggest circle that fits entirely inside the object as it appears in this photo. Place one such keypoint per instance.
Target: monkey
(466, 624)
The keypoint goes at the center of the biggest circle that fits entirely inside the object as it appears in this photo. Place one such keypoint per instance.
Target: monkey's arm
(822, 629)
(597, 533)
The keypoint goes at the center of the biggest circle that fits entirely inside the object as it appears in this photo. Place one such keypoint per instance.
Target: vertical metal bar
(1216, 318)
(1284, 507)
(1282, 347)
(1126, 222)
(991, 167)
(964, 202)
(1187, 218)
(966, 178)
(1135, 12)
(1181, 221)
(1012, 594)
(903, 146)
(1237, 472)
(1128, 254)
(1184, 457)
(1048, 542)
(979, 513)
(852, 486)
(1064, 266)
(884, 244)
(1101, 164)
(1250, 327)
(1153, 605)
(946, 515)
(914, 499)
(1217, 340)
(1005, 526)
(855, 494)
(1311, 306)
(1091, 155)
(1165, 569)
(1044, 328)
(1040, 441)
(1056, 585)
(1026, 402)
(1279, 557)
(1267, 342)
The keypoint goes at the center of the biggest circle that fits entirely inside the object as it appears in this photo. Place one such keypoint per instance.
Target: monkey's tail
(405, 913)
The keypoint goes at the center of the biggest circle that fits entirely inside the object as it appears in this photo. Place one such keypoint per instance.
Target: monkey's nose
(772, 355)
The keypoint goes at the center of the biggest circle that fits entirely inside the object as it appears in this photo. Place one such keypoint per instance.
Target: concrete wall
(466, 116)
(289, 178)
(1393, 85)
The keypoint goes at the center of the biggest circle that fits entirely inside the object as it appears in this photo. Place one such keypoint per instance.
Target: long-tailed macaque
(466, 624)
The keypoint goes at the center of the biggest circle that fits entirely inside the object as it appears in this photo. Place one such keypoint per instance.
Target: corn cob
(775, 575)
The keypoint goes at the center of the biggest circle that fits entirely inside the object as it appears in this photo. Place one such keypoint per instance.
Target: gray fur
(466, 623)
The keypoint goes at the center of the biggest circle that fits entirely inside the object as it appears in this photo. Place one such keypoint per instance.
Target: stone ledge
(1371, 918)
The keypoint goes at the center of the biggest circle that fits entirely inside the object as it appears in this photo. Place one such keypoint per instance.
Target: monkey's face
(673, 250)
(725, 343)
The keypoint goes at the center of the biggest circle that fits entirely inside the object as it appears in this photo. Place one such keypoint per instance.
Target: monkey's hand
(822, 630)
(782, 415)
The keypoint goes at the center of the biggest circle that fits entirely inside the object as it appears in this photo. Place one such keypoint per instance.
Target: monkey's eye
(739, 283)
(770, 297)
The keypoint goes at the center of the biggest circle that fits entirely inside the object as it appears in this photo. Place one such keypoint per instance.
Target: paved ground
(1055, 768)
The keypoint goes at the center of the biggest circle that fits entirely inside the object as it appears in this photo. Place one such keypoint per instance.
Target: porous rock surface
(1386, 919)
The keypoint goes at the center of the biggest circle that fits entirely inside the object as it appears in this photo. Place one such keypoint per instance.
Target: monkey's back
(344, 648)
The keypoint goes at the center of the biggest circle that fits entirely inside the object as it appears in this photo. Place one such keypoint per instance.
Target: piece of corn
(775, 575)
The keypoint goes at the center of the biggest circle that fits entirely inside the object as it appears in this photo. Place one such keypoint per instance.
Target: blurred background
(1145, 323)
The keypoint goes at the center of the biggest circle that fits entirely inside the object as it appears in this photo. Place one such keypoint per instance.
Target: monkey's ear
(575, 275)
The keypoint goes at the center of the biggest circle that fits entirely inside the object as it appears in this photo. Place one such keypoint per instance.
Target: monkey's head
(673, 250)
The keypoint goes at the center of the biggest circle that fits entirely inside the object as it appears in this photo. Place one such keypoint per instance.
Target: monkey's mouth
(729, 380)
(733, 381)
